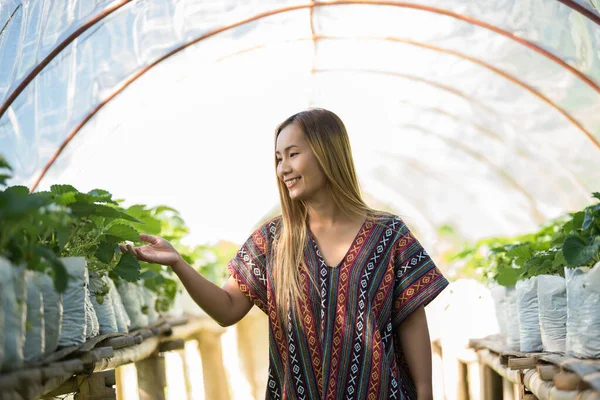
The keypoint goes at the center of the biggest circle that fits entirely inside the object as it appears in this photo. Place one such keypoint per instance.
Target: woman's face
(297, 166)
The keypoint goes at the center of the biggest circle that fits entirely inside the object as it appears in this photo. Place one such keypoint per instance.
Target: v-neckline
(320, 253)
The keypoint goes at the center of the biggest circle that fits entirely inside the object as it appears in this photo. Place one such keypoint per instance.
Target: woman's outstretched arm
(416, 345)
(226, 305)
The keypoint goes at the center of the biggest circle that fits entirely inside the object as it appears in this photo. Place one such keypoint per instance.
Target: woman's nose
(284, 167)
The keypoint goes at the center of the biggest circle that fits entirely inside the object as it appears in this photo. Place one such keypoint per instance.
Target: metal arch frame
(399, 40)
(474, 21)
(493, 136)
(582, 10)
(490, 67)
(12, 96)
(401, 75)
(539, 218)
(569, 3)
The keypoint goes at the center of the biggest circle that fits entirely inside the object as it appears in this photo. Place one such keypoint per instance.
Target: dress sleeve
(418, 281)
(249, 266)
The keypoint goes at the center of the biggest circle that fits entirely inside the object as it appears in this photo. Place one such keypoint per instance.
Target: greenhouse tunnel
(481, 117)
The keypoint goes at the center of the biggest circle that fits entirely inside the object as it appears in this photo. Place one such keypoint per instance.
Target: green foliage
(32, 230)
(505, 260)
(572, 240)
(165, 222)
(5, 169)
(582, 237)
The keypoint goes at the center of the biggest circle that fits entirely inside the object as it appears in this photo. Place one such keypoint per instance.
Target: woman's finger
(149, 238)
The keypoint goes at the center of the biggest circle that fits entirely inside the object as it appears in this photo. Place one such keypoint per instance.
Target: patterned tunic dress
(340, 341)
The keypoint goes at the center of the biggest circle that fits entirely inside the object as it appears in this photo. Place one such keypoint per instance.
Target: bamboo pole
(152, 379)
(211, 354)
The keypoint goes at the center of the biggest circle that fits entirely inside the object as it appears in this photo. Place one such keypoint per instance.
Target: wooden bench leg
(211, 354)
(186, 373)
(491, 383)
(98, 386)
(152, 378)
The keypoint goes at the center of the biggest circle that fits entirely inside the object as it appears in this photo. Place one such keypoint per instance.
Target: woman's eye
(293, 154)
(278, 160)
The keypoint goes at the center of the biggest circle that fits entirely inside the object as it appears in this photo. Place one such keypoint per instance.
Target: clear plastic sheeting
(458, 112)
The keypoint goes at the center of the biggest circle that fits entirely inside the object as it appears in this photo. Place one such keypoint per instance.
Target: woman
(344, 286)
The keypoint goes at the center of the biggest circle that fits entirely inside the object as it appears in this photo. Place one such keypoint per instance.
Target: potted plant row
(545, 285)
(62, 276)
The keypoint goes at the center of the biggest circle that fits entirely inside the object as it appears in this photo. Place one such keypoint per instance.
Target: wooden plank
(569, 381)
(128, 355)
(522, 363)
(118, 342)
(96, 355)
(547, 372)
(177, 344)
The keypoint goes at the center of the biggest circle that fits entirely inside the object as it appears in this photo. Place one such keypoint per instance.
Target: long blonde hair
(328, 140)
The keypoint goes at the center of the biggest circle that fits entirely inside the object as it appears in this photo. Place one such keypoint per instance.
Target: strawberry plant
(581, 245)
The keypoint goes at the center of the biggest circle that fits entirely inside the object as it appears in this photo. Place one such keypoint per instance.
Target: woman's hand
(158, 251)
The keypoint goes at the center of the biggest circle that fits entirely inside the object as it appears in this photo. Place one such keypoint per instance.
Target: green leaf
(59, 272)
(102, 196)
(578, 218)
(162, 209)
(4, 163)
(124, 232)
(128, 268)
(596, 195)
(4, 178)
(99, 210)
(588, 219)
(62, 189)
(520, 253)
(578, 251)
(105, 252)
(66, 198)
(508, 276)
(559, 260)
(148, 275)
(18, 190)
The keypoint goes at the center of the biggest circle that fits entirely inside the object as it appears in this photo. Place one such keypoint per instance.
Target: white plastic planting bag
(513, 335)
(53, 314)
(91, 319)
(34, 332)
(150, 301)
(583, 311)
(552, 303)
(529, 319)
(14, 304)
(75, 307)
(498, 294)
(121, 317)
(132, 300)
(105, 311)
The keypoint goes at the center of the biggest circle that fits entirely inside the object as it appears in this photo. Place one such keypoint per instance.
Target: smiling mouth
(291, 182)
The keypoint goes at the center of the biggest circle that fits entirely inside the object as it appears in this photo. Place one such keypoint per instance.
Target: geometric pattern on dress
(341, 313)
(296, 371)
(310, 332)
(393, 291)
(272, 386)
(360, 323)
